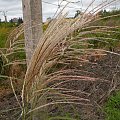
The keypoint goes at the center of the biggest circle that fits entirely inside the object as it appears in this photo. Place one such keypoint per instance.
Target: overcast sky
(14, 7)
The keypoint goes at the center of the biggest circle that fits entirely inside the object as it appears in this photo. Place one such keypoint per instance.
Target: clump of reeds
(55, 64)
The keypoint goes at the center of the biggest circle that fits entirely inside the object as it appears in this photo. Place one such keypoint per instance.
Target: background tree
(20, 21)
(11, 21)
(78, 12)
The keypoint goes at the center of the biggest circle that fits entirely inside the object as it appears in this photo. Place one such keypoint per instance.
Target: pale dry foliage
(55, 64)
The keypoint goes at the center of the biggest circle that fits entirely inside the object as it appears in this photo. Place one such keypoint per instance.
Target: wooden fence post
(32, 15)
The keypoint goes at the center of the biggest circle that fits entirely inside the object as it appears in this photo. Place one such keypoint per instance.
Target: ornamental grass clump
(49, 87)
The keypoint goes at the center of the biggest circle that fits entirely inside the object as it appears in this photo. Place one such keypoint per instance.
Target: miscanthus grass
(56, 62)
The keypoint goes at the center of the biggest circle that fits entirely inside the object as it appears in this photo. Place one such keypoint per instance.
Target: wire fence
(50, 9)
(58, 4)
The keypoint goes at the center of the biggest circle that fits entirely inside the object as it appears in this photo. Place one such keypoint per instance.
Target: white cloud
(14, 7)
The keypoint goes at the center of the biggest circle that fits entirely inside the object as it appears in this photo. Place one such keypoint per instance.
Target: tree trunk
(32, 14)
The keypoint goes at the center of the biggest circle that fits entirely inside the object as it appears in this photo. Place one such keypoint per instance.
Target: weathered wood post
(32, 15)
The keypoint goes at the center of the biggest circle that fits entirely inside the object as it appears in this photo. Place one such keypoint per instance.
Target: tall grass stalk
(53, 64)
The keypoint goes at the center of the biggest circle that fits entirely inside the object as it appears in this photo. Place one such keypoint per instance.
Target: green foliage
(45, 27)
(3, 36)
(7, 25)
(5, 29)
(112, 107)
(109, 21)
(17, 54)
(105, 13)
(20, 55)
(114, 41)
